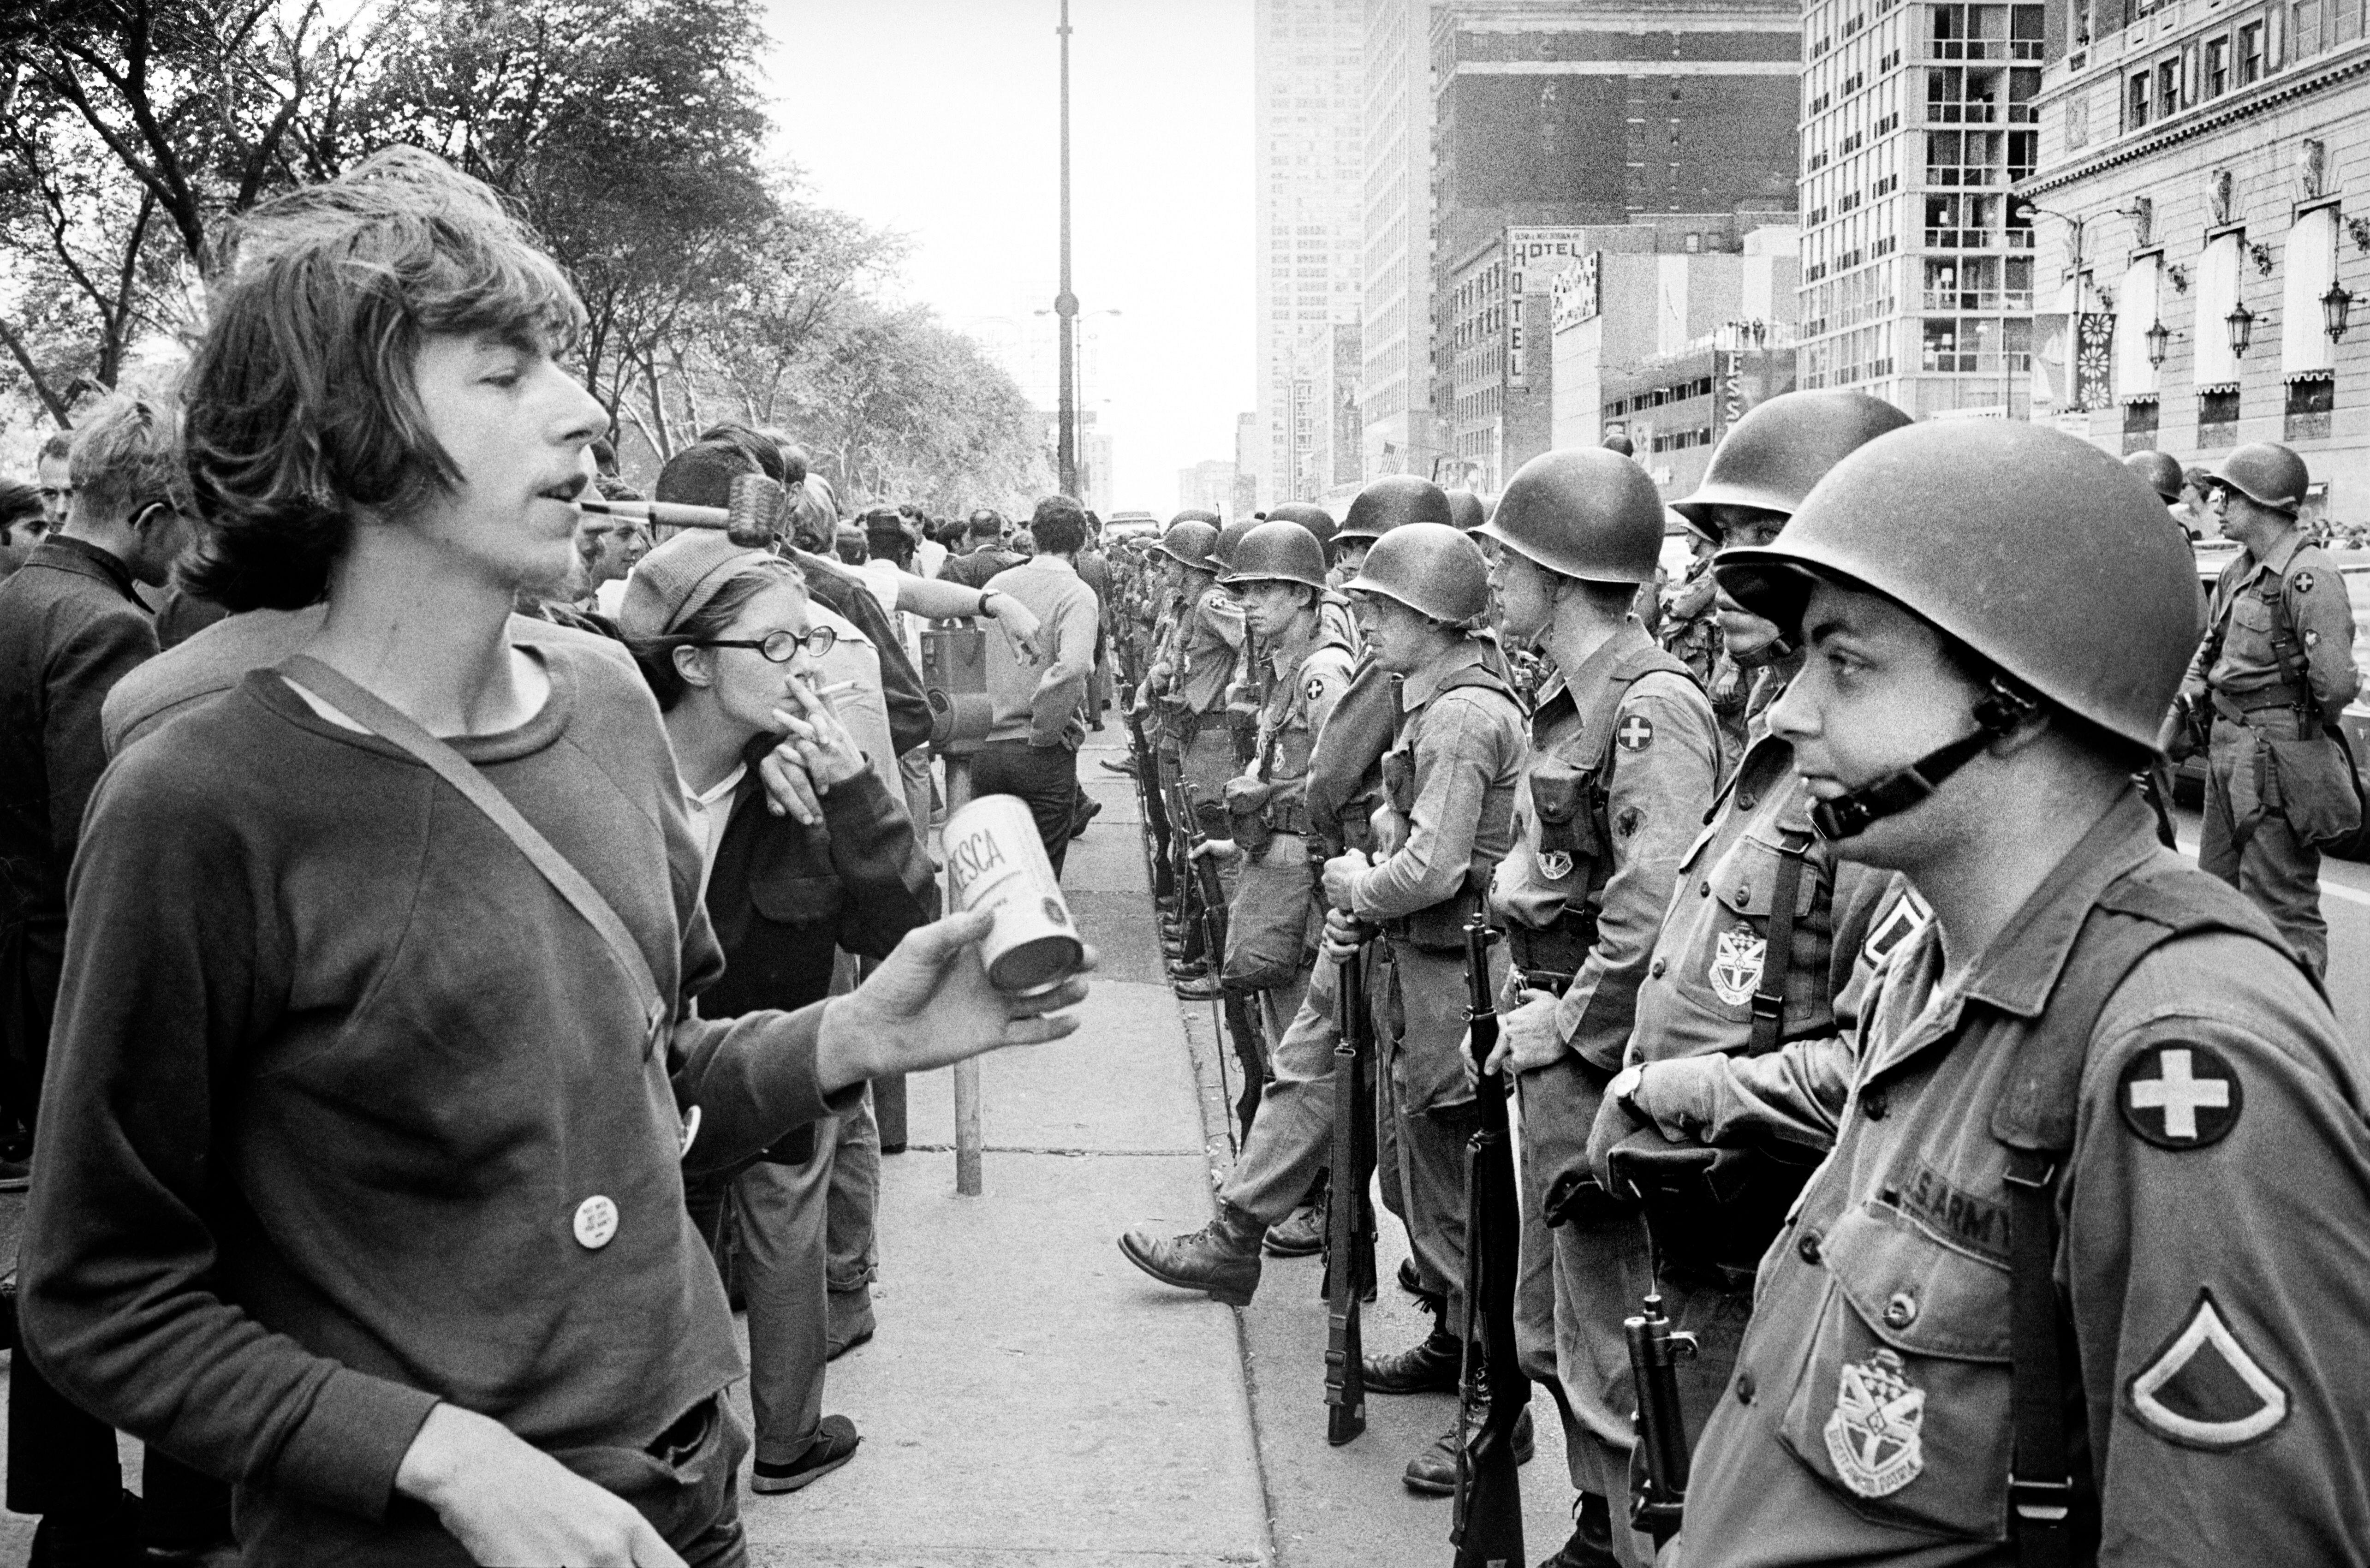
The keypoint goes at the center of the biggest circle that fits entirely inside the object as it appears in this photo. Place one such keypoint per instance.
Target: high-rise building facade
(1553, 115)
(1395, 390)
(2197, 194)
(1307, 130)
(1918, 267)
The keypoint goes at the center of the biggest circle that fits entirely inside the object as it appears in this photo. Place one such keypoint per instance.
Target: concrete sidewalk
(1027, 1399)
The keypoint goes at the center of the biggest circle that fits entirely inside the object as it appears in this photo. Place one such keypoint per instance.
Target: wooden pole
(968, 1173)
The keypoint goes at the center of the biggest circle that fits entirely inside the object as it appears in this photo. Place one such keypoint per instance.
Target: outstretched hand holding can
(931, 1003)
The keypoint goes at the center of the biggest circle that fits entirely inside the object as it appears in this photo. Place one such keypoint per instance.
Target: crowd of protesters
(450, 934)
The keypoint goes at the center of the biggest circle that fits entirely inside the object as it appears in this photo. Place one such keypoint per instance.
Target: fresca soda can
(996, 861)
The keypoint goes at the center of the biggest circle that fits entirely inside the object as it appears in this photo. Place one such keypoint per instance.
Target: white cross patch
(2180, 1097)
(1635, 734)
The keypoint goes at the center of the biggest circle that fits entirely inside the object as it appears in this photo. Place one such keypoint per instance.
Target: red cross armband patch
(2180, 1096)
(1634, 733)
(2203, 1389)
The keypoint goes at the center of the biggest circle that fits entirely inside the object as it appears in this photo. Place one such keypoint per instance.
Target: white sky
(939, 118)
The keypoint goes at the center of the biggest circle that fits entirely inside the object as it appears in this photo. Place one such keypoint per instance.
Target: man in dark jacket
(70, 627)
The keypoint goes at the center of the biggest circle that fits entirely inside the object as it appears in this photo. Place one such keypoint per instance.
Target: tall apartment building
(1918, 267)
(1307, 130)
(1395, 390)
(1553, 114)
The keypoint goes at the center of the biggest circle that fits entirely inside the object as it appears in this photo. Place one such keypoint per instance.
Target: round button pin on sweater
(596, 1222)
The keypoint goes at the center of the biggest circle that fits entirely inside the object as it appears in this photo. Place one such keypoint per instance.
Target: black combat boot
(1222, 1258)
(1434, 1471)
(1430, 1368)
(1591, 1545)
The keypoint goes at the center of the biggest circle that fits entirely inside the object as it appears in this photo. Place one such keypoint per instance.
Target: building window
(2251, 54)
(2135, 102)
(2168, 87)
(2217, 417)
(2217, 66)
(2310, 401)
(2139, 425)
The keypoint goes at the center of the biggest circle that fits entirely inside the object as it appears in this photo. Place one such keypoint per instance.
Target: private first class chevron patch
(2205, 1390)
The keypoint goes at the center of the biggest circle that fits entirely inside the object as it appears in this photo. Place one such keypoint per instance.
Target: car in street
(1129, 525)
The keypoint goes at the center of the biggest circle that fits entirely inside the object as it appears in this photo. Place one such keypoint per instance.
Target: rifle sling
(1777, 952)
(382, 719)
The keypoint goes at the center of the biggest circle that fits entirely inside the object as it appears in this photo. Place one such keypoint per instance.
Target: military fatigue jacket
(1696, 1004)
(2297, 583)
(1466, 749)
(2212, 1272)
(1651, 730)
(1209, 637)
(1301, 697)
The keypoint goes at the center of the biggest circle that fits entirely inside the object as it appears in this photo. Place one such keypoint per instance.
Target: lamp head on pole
(2159, 342)
(2242, 322)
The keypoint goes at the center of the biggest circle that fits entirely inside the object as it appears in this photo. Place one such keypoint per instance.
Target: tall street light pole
(1065, 303)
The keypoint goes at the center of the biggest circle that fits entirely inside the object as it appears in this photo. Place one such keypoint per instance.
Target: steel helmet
(1222, 552)
(1391, 501)
(1586, 513)
(1195, 515)
(1188, 543)
(2042, 554)
(1468, 508)
(1278, 551)
(1313, 518)
(2159, 471)
(1772, 457)
(2267, 474)
(1430, 568)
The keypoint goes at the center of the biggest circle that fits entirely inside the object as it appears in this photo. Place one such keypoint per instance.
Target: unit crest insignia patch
(1873, 1435)
(1736, 965)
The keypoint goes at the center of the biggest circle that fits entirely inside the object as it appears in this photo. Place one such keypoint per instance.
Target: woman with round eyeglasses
(722, 635)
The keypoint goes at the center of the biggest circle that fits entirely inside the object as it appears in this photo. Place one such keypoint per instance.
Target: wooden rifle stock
(1349, 1228)
(1487, 1529)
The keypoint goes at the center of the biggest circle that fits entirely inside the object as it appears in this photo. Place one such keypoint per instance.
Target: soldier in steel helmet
(1189, 680)
(2274, 672)
(1450, 780)
(2162, 473)
(1279, 570)
(1341, 795)
(2083, 1278)
(1621, 766)
(1734, 992)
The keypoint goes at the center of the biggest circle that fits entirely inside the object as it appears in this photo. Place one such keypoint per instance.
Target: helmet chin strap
(1998, 712)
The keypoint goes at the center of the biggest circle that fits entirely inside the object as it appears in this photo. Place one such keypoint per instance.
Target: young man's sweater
(350, 1112)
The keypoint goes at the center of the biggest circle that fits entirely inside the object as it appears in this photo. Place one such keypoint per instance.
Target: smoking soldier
(2275, 671)
(1451, 778)
(2083, 1276)
(1622, 763)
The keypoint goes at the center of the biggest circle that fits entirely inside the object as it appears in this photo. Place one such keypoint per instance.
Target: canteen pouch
(2314, 782)
(1560, 798)
(1267, 926)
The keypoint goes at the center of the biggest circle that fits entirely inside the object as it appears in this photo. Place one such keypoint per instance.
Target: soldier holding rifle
(2044, 1302)
(1622, 760)
(1737, 994)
